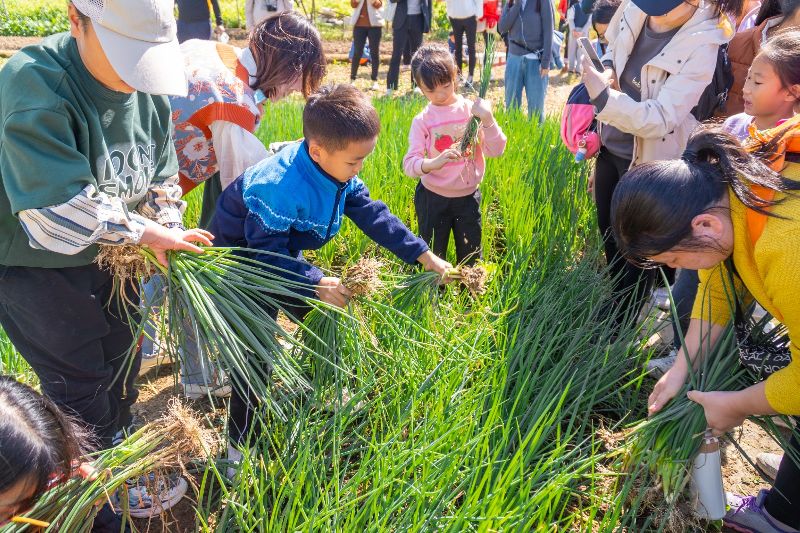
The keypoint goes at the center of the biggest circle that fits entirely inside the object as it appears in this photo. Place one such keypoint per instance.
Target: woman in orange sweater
(717, 205)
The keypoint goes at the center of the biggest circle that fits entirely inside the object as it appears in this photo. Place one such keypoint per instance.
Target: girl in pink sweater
(447, 198)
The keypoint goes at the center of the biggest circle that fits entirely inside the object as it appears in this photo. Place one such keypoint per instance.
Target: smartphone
(589, 50)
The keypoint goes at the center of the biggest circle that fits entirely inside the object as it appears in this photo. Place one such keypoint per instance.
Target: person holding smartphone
(529, 24)
(661, 56)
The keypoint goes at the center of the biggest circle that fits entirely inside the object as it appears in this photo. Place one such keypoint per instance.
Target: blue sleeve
(291, 266)
(379, 224)
(227, 224)
(234, 225)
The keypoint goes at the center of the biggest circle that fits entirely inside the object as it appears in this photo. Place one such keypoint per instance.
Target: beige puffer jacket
(672, 82)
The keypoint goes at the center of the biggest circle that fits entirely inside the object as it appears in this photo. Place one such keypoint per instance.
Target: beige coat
(672, 82)
(375, 15)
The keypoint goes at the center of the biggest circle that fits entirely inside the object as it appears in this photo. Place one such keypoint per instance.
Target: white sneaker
(660, 298)
(389, 92)
(375, 86)
(417, 90)
(142, 504)
(658, 367)
(195, 391)
(769, 463)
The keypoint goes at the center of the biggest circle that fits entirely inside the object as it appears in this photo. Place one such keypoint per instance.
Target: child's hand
(450, 154)
(160, 239)
(331, 291)
(433, 263)
(483, 110)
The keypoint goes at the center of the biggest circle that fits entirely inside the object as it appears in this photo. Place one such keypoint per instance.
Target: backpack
(578, 125)
(715, 95)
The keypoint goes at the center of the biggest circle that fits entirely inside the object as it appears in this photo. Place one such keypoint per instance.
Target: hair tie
(690, 156)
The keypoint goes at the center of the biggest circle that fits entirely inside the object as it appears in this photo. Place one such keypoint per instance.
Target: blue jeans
(196, 369)
(522, 72)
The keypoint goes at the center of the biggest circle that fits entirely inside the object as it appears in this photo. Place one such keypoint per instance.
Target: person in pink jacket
(447, 198)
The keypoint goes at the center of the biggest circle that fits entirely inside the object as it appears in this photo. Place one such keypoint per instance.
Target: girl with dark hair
(214, 133)
(661, 57)
(40, 446)
(775, 16)
(772, 88)
(724, 212)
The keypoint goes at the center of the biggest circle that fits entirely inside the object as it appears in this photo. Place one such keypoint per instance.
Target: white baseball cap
(139, 37)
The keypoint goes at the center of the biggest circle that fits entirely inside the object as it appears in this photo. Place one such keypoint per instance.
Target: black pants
(632, 284)
(469, 26)
(244, 403)
(76, 337)
(360, 36)
(683, 292)
(439, 215)
(411, 34)
(783, 501)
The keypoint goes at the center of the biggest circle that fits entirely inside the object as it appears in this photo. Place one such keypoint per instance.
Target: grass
(438, 409)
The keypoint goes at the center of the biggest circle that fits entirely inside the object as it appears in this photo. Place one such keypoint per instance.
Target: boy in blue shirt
(295, 201)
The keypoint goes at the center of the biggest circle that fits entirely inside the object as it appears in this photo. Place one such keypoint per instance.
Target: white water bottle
(709, 495)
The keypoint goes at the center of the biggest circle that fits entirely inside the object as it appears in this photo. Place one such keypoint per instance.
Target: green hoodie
(61, 131)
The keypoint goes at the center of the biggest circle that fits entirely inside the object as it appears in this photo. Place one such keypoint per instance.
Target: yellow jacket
(770, 272)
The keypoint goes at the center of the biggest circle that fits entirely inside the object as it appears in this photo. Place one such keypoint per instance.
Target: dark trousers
(72, 329)
(360, 36)
(244, 403)
(469, 26)
(193, 30)
(683, 293)
(783, 501)
(632, 284)
(411, 34)
(438, 216)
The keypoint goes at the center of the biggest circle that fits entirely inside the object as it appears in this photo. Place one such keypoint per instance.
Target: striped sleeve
(88, 218)
(163, 203)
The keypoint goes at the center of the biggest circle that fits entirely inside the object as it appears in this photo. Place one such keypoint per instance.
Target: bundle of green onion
(665, 444)
(471, 134)
(220, 302)
(168, 443)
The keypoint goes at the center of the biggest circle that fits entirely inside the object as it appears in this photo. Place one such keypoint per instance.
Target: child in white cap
(86, 158)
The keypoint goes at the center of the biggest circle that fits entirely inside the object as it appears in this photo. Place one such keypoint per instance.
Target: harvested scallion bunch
(166, 444)
(220, 301)
(665, 444)
(471, 133)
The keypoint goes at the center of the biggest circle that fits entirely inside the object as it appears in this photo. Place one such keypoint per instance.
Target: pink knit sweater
(437, 128)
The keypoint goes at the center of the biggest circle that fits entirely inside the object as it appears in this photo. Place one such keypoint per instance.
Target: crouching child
(296, 201)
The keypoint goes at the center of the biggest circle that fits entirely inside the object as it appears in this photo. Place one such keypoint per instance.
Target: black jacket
(401, 14)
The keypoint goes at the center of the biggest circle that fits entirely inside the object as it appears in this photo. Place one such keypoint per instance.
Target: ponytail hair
(654, 204)
(38, 442)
